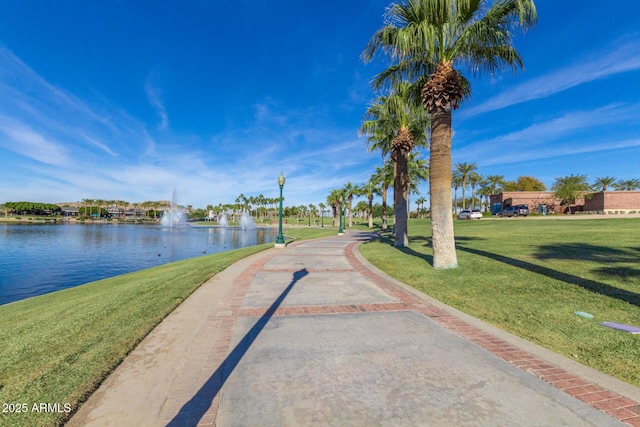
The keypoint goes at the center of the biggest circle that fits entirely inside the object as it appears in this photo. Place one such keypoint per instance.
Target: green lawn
(528, 276)
(59, 347)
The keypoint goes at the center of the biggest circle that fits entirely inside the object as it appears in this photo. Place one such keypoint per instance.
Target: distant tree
(418, 171)
(350, 190)
(627, 185)
(525, 183)
(322, 207)
(465, 170)
(312, 211)
(456, 182)
(335, 199)
(361, 208)
(570, 188)
(377, 210)
(474, 180)
(368, 190)
(383, 177)
(420, 202)
(485, 191)
(603, 182)
(495, 182)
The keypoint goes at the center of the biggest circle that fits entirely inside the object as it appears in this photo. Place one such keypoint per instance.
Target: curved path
(312, 334)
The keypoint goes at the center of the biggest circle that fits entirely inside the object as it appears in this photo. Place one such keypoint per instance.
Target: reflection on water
(40, 258)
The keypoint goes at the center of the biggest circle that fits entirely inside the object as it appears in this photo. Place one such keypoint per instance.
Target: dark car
(522, 210)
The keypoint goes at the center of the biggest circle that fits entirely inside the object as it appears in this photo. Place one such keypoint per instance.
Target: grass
(59, 347)
(528, 276)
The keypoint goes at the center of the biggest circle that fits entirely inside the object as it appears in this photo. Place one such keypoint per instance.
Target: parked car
(470, 214)
(522, 210)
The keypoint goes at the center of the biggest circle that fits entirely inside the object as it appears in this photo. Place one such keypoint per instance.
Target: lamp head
(281, 180)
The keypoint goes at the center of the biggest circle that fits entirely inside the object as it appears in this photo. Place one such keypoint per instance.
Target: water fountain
(246, 222)
(175, 215)
(222, 220)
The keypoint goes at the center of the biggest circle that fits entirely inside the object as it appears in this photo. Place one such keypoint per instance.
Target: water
(175, 215)
(246, 222)
(37, 259)
(222, 221)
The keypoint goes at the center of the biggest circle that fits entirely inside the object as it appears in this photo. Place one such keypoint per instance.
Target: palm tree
(485, 191)
(396, 124)
(418, 170)
(465, 170)
(384, 178)
(322, 207)
(368, 190)
(474, 180)
(350, 191)
(627, 184)
(456, 182)
(420, 202)
(495, 182)
(334, 200)
(603, 182)
(427, 38)
(570, 188)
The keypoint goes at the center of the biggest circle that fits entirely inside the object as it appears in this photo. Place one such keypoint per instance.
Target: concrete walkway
(313, 335)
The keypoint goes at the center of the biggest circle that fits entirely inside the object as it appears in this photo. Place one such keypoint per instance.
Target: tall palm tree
(495, 182)
(334, 199)
(368, 190)
(350, 190)
(427, 39)
(418, 170)
(601, 183)
(465, 170)
(474, 180)
(420, 202)
(485, 191)
(395, 124)
(384, 178)
(456, 182)
(627, 185)
(570, 188)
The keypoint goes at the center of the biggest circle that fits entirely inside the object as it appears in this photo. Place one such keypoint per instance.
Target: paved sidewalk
(313, 335)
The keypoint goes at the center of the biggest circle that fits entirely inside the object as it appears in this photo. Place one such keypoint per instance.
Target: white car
(470, 214)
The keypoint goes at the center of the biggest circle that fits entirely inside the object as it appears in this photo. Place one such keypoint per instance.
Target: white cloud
(154, 99)
(573, 132)
(625, 57)
(23, 140)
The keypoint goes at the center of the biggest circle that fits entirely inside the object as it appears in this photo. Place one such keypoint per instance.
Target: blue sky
(130, 99)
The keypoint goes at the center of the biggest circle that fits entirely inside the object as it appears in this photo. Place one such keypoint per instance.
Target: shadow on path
(197, 406)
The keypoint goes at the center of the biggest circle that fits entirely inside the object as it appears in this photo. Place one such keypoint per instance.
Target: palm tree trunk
(370, 212)
(400, 187)
(464, 184)
(444, 249)
(455, 199)
(384, 207)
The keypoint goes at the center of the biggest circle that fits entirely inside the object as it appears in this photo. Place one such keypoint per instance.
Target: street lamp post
(280, 238)
(322, 217)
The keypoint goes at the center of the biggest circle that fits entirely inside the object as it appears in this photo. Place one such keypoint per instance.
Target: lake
(39, 258)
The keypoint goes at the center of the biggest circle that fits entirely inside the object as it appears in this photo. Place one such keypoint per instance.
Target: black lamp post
(280, 238)
(322, 217)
